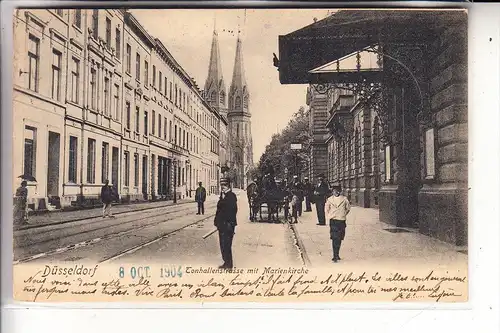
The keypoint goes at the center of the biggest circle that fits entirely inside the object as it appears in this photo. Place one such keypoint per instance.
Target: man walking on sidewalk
(225, 221)
(321, 193)
(308, 192)
(200, 197)
(337, 207)
(106, 198)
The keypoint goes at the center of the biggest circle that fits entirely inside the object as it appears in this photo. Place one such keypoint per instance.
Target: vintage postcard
(240, 155)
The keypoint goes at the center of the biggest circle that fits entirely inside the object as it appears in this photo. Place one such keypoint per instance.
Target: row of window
(74, 80)
(176, 135)
(177, 96)
(222, 99)
(74, 88)
(30, 161)
(243, 131)
(341, 155)
(110, 91)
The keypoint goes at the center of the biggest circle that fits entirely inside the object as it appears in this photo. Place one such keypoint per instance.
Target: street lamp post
(296, 147)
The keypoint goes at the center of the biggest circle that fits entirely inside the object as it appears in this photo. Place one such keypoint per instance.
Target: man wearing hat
(308, 192)
(225, 221)
(298, 197)
(200, 197)
(321, 193)
(337, 207)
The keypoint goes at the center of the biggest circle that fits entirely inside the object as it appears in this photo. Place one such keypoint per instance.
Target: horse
(272, 198)
(252, 196)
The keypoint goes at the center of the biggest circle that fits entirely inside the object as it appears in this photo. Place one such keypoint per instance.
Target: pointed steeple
(215, 88)
(238, 92)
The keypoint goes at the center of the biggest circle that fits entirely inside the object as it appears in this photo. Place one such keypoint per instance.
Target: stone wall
(443, 198)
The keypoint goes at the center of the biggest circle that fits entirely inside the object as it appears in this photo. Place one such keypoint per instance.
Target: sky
(188, 36)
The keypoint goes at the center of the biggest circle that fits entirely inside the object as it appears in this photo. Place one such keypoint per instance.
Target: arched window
(222, 98)
(213, 97)
(237, 102)
(238, 131)
(245, 102)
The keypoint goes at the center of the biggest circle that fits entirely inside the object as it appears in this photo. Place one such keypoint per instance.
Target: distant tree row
(279, 159)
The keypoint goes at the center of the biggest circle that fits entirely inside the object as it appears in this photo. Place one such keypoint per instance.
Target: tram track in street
(92, 241)
(155, 240)
(137, 210)
(92, 221)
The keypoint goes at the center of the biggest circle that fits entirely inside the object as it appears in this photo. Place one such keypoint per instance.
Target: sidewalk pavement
(262, 243)
(58, 217)
(367, 242)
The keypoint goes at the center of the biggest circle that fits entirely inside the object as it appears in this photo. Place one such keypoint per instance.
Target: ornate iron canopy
(374, 95)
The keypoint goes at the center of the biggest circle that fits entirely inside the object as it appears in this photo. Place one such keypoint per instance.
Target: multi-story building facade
(95, 125)
(42, 42)
(318, 116)
(354, 157)
(138, 46)
(404, 150)
(111, 104)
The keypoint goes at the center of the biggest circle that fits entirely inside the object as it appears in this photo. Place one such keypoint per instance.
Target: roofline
(161, 48)
(132, 22)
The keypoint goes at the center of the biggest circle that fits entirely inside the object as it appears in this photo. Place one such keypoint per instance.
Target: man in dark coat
(308, 192)
(107, 197)
(200, 197)
(225, 221)
(321, 193)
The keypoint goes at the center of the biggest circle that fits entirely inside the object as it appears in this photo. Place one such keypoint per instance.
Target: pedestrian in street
(200, 197)
(321, 193)
(299, 191)
(308, 192)
(225, 221)
(296, 199)
(336, 208)
(21, 207)
(107, 198)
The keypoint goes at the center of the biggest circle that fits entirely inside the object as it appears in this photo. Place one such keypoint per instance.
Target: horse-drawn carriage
(270, 197)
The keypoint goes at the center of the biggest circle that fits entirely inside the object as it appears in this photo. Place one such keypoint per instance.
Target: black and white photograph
(234, 143)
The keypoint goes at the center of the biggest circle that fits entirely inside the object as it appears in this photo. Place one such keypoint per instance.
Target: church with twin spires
(234, 106)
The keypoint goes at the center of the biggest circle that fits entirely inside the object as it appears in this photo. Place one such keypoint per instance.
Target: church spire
(239, 91)
(215, 89)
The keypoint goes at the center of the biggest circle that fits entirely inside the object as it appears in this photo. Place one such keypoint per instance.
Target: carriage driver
(225, 221)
